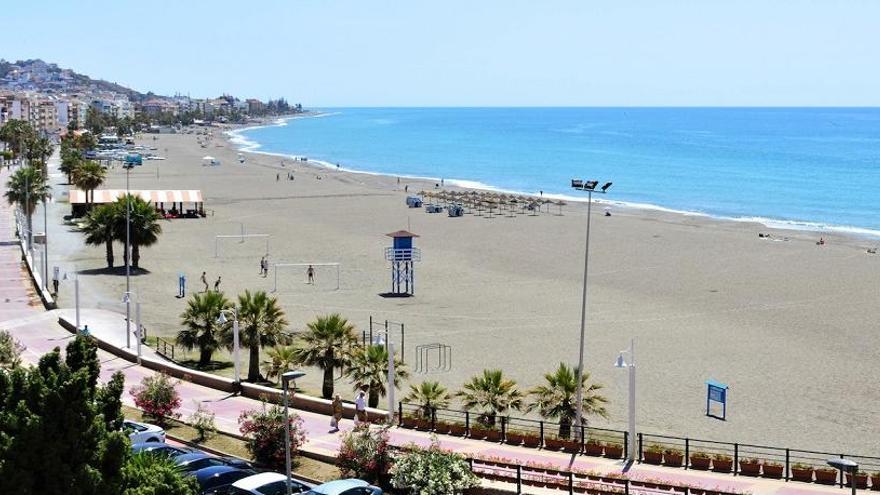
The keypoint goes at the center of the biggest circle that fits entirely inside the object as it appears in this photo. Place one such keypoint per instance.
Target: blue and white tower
(402, 255)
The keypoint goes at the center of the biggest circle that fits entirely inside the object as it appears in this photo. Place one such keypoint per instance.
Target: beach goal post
(305, 267)
(241, 238)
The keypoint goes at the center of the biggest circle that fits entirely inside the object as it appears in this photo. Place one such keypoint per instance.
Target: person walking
(310, 273)
(205, 280)
(263, 266)
(337, 414)
(360, 406)
(217, 284)
(277, 177)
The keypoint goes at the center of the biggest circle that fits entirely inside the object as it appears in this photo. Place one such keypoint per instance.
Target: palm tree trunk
(564, 427)
(204, 357)
(136, 255)
(373, 398)
(109, 249)
(327, 388)
(254, 365)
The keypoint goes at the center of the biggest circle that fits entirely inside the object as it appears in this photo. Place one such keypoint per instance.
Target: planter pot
(531, 441)
(478, 433)
(594, 449)
(423, 424)
(655, 458)
(680, 489)
(571, 447)
(673, 459)
(514, 439)
(826, 476)
(701, 463)
(749, 468)
(721, 465)
(773, 471)
(613, 451)
(800, 474)
(861, 480)
(457, 430)
(875, 483)
(408, 422)
(493, 436)
(553, 443)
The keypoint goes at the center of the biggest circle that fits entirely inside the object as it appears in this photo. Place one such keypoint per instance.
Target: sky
(467, 52)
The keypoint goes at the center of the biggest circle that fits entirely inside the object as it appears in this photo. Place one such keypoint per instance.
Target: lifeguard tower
(402, 255)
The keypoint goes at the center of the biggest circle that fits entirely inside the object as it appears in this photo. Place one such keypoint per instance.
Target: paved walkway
(37, 329)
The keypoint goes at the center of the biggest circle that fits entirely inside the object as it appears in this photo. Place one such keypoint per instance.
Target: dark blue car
(215, 480)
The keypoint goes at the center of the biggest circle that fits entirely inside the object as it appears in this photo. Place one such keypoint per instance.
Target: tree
(157, 396)
(200, 320)
(327, 344)
(95, 121)
(429, 395)
(369, 366)
(282, 358)
(144, 229)
(10, 350)
(54, 438)
(99, 228)
(149, 474)
(88, 176)
(27, 187)
(557, 398)
(491, 394)
(71, 157)
(39, 149)
(17, 134)
(263, 430)
(261, 323)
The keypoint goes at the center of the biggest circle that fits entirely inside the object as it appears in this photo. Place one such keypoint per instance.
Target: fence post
(400, 416)
(570, 483)
(371, 332)
(735, 458)
(541, 434)
(503, 428)
(787, 460)
(641, 439)
(467, 422)
(518, 479)
(402, 348)
(687, 453)
(626, 487)
(841, 475)
(433, 418)
(626, 445)
(581, 447)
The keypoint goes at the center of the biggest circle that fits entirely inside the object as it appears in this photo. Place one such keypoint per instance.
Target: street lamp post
(286, 378)
(127, 255)
(622, 363)
(126, 298)
(590, 187)
(222, 320)
(383, 340)
(75, 294)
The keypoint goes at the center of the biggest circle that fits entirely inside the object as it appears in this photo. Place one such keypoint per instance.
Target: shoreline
(248, 145)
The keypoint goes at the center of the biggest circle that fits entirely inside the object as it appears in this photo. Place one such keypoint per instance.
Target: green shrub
(203, 422)
(432, 471)
(363, 453)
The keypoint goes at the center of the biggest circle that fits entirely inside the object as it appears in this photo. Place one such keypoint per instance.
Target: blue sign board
(716, 392)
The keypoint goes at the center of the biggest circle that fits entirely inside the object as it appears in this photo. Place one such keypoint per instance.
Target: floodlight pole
(127, 257)
(285, 380)
(580, 369)
(235, 343)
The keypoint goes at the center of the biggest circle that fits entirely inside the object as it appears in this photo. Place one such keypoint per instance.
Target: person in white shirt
(360, 406)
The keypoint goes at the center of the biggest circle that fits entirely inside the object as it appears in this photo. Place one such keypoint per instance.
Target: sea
(798, 168)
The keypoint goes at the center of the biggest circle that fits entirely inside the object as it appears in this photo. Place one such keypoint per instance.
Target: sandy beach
(789, 325)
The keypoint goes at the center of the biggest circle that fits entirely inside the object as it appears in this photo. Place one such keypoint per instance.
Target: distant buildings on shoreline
(55, 100)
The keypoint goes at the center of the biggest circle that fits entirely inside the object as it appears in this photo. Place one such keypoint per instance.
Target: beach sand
(790, 326)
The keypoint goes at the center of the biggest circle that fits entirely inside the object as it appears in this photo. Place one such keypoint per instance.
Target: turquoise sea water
(807, 168)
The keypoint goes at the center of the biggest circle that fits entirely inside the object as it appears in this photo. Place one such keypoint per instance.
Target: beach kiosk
(402, 256)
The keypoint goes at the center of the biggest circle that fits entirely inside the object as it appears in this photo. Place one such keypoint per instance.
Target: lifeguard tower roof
(401, 233)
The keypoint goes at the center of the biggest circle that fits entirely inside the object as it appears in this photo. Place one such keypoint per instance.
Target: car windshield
(278, 488)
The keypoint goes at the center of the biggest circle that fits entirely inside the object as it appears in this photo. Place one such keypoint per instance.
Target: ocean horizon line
(249, 145)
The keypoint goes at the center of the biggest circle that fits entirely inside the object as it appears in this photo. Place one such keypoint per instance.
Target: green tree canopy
(491, 394)
(369, 366)
(261, 323)
(200, 321)
(327, 344)
(557, 398)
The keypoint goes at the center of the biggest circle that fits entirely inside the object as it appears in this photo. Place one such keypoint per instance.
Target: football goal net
(251, 242)
(319, 275)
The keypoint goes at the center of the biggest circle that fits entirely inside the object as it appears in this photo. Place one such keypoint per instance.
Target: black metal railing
(738, 459)
(165, 348)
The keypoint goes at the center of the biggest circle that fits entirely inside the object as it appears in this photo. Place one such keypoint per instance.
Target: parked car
(216, 480)
(143, 432)
(267, 484)
(351, 486)
(193, 461)
(157, 448)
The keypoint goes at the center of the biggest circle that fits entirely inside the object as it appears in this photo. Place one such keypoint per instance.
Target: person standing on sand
(277, 176)
(205, 280)
(217, 284)
(310, 273)
(337, 414)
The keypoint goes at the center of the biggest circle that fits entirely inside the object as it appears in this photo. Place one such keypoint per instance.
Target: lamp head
(126, 297)
(590, 185)
(222, 318)
(606, 186)
(843, 464)
(292, 375)
(620, 363)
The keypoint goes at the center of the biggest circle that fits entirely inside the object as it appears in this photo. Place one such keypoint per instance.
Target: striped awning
(153, 196)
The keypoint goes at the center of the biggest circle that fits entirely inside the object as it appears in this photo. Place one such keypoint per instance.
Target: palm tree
(262, 322)
(27, 187)
(17, 133)
(282, 358)
(369, 366)
(99, 228)
(87, 176)
(326, 344)
(144, 230)
(557, 398)
(71, 157)
(39, 149)
(428, 395)
(491, 394)
(200, 320)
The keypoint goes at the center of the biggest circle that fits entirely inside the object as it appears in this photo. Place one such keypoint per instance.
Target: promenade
(39, 330)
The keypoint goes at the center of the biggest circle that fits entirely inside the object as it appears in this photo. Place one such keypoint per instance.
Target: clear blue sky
(470, 53)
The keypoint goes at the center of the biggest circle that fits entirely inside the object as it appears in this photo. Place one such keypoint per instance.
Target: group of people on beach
(204, 279)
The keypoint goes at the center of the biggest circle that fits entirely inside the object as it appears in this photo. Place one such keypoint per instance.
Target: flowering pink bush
(157, 397)
(364, 453)
(263, 430)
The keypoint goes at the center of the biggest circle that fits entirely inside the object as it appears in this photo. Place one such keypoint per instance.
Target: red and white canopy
(153, 196)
